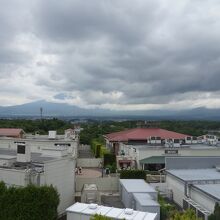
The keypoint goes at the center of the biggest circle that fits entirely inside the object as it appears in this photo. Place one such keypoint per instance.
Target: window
(176, 141)
(21, 149)
(62, 144)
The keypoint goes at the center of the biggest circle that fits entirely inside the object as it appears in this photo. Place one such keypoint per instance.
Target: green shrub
(109, 159)
(112, 167)
(28, 203)
(166, 209)
(132, 174)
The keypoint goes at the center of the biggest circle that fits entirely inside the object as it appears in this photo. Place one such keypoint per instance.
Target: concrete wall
(13, 177)
(152, 209)
(126, 198)
(84, 147)
(37, 145)
(89, 162)
(202, 199)
(177, 188)
(103, 184)
(61, 175)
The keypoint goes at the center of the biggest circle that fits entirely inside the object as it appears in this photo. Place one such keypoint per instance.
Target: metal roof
(212, 190)
(153, 160)
(195, 174)
(136, 185)
(145, 199)
(116, 213)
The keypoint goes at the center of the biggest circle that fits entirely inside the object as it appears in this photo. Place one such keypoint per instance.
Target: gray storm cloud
(112, 52)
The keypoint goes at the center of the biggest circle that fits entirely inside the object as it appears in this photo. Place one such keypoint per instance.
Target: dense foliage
(109, 159)
(216, 214)
(189, 214)
(40, 126)
(166, 209)
(98, 148)
(28, 203)
(110, 162)
(96, 129)
(132, 174)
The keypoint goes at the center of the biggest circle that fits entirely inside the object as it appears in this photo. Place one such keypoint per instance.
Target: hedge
(132, 174)
(28, 203)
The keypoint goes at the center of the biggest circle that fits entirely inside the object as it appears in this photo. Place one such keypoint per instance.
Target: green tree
(216, 214)
(28, 203)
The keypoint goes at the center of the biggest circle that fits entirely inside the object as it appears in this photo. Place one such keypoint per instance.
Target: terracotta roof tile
(143, 134)
(10, 131)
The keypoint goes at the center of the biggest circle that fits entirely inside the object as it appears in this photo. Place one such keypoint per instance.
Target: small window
(21, 149)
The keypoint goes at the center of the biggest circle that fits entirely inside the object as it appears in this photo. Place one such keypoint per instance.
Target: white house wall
(177, 188)
(152, 209)
(36, 145)
(13, 177)
(62, 176)
(202, 199)
(144, 153)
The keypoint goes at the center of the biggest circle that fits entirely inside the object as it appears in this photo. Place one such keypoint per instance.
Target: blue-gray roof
(212, 190)
(145, 199)
(195, 174)
(136, 185)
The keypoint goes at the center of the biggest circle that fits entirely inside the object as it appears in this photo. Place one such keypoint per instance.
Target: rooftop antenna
(41, 113)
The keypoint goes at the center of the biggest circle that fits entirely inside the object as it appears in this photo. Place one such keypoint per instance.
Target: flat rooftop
(35, 157)
(195, 174)
(136, 185)
(39, 138)
(145, 199)
(116, 213)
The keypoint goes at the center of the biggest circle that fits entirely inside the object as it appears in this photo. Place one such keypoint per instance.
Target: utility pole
(41, 113)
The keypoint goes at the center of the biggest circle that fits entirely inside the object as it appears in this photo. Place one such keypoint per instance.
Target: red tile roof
(143, 134)
(11, 132)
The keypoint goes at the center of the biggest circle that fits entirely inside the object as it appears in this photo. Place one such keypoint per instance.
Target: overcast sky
(117, 54)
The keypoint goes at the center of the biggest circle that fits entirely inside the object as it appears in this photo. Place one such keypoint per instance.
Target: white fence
(89, 162)
(103, 183)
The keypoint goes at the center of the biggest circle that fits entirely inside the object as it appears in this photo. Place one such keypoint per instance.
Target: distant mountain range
(60, 109)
